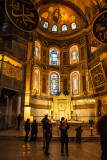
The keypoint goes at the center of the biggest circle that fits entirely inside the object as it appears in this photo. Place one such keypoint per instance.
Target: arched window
(54, 57)
(73, 25)
(54, 83)
(54, 28)
(64, 27)
(45, 25)
(35, 81)
(75, 83)
(74, 54)
(37, 50)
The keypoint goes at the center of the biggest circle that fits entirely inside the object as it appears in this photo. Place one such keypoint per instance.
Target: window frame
(37, 45)
(53, 72)
(72, 26)
(56, 57)
(63, 26)
(72, 81)
(74, 49)
(45, 24)
(53, 30)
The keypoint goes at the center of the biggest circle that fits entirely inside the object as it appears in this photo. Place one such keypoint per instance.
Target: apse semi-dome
(59, 20)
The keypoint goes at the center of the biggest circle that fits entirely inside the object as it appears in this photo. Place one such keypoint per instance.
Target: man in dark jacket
(27, 129)
(44, 120)
(64, 136)
(34, 131)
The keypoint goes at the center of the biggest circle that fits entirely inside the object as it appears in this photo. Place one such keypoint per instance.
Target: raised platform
(13, 134)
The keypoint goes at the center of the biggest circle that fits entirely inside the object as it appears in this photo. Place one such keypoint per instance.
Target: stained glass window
(37, 50)
(54, 83)
(35, 80)
(45, 25)
(64, 27)
(75, 83)
(54, 58)
(54, 28)
(73, 25)
(74, 54)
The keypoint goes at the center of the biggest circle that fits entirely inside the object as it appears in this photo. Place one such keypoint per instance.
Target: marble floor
(55, 131)
(19, 150)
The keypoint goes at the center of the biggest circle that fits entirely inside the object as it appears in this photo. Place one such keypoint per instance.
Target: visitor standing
(18, 121)
(44, 120)
(34, 131)
(64, 136)
(62, 119)
(102, 131)
(48, 135)
(78, 134)
(27, 129)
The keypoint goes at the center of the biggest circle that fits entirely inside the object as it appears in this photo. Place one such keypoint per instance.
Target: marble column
(19, 105)
(7, 106)
(10, 112)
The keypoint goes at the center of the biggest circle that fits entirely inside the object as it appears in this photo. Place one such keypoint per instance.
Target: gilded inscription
(98, 76)
(23, 14)
(100, 27)
(12, 71)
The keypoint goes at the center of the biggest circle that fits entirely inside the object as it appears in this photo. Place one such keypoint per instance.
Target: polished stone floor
(55, 131)
(19, 150)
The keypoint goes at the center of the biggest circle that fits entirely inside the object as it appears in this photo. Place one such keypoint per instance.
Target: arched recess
(74, 54)
(75, 83)
(68, 4)
(37, 50)
(54, 56)
(54, 83)
(35, 85)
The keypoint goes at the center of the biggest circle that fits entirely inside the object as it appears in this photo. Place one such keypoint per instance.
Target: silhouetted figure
(34, 131)
(18, 121)
(44, 120)
(48, 135)
(78, 134)
(102, 131)
(27, 129)
(62, 119)
(64, 136)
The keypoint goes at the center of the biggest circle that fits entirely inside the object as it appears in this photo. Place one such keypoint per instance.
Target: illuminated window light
(73, 26)
(45, 25)
(54, 28)
(64, 28)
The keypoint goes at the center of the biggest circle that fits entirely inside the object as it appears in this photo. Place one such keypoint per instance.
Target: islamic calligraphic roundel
(100, 27)
(22, 14)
